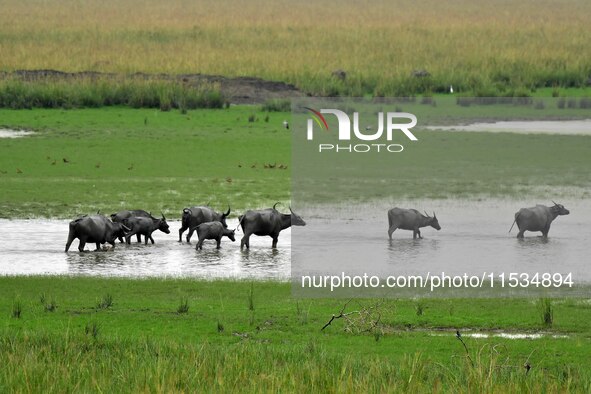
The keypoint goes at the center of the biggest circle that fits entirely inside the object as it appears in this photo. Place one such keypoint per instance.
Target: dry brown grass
(468, 43)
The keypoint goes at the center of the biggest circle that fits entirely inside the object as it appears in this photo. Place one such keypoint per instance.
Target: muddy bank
(238, 90)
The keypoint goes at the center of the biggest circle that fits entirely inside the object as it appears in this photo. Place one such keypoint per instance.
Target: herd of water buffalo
(210, 224)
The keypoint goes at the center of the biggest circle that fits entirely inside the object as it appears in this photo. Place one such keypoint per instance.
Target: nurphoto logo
(345, 134)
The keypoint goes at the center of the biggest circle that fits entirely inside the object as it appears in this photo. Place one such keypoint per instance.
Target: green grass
(93, 92)
(142, 343)
(108, 159)
(118, 158)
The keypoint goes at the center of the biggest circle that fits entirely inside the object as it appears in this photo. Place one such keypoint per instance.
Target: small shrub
(282, 105)
(561, 103)
(251, 298)
(17, 309)
(183, 306)
(302, 314)
(50, 306)
(427, 100)
(585, 103)
(105, 302)
(420, 308)
(377, 335)
(92, 329)
(251, 118)
(546, 311)
(220, 327)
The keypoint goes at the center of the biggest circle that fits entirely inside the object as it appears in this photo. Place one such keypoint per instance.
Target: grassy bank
(245, 336)
(80, 161)
(478, 47)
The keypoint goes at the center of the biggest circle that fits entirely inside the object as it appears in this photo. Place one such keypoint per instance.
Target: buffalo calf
(212, 230)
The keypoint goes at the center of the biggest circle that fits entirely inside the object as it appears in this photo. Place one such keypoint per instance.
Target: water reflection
(166, 257)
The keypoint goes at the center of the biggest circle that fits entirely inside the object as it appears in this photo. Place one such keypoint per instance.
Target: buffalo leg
(419, 233)
(139, 238)
(70, 240)
(245, 241)
(98, 246)
(219, 241)
(181, 231)
(81, 245)
(275, 239)
(151, 239)
(190, 234)
(199, 244)
(128, 237)
(120, 239)
(391, 230)
(520, 233)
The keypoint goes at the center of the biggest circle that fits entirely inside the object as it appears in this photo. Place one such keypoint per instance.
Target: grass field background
(243, 336)
(484, 48)
(118, 158)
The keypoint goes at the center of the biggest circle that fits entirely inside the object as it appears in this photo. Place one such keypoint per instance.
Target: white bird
(451, 89)
(286, 124)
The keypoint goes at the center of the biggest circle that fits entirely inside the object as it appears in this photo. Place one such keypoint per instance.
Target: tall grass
(53, 363)
(546, 310)
(89, 92)
(495, 45)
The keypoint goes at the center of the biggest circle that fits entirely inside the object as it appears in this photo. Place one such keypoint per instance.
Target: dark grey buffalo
(410, 219)
(194, 216)
(212, 230)
(538, 218)
(267, 222)
(96, 229)
(120, 216)
(145, 226)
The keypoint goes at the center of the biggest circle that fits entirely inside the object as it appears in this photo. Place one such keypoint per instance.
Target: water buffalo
(410, 219)
(267, 222)
(212, 230)
(145, 226)
(96, 229)
(120, 216)
(194, 216)
(538, 218)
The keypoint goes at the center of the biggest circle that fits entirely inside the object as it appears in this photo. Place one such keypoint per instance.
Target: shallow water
(37, 247)
(9, 133)
(563, 127)
(474, 239)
